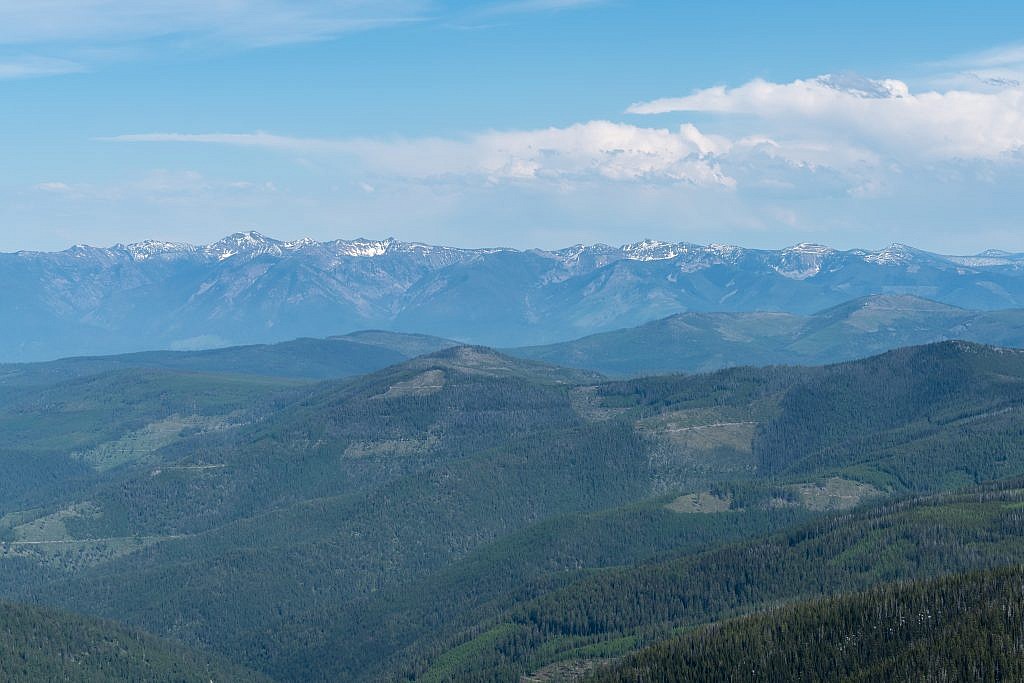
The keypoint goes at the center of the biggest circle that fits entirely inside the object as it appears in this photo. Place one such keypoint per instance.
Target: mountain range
(684, 342)
(248, 288)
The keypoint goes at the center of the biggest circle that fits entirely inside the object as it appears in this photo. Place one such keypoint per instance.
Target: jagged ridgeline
(467, 515)
(248, 288)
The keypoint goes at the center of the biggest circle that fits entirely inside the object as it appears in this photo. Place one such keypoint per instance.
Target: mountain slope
(359, 486)
(379, 524)
(46, 645)
(698, 342)
(72, 434)
(248, 289)
(616, 611)
(315, 359)
(408, 344)
(963, 627)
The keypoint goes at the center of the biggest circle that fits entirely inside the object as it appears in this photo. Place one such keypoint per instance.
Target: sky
(522, 123)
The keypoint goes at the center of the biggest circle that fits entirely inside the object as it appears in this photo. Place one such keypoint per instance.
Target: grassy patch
(702, 502)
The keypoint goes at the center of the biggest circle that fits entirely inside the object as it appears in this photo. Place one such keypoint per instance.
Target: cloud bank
(881, 115)
(596, 150)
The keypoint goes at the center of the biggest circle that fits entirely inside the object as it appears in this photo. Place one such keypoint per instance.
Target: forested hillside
(700, 342)
(612, 612)
(69, 435)
(38, 644)
(965, 627)
(470, 516)
(312, 359)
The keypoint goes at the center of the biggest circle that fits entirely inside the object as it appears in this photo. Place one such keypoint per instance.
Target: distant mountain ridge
(798, 261)
(700, 342)
(304, 359)
(248, 288)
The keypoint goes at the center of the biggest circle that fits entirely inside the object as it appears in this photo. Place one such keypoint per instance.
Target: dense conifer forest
(467, 516)
(46, 645)
(965, 627)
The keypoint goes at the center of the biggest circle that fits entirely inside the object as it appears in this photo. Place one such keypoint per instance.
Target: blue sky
(521, 123)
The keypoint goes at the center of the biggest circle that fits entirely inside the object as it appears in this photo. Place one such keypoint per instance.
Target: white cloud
(524, 6)
(52, 187)
(826, 137)
(881, 116)
(66, 36)
(156, 185)
(809, 156)
(245, 22)
(592, 150)
(992, 69)
(30, 67)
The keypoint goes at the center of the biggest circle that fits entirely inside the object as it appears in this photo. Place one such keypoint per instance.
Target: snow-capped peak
(802, 261)
(809, 248)
(363, 247)
(725, 250)
(248, 244)
(303, 243)
(650, 250)
(895, 254)
(142, 251)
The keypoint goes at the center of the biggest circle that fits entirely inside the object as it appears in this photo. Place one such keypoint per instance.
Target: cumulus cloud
(883, 116)
(593, 150)
(829, 136)
(838, 140)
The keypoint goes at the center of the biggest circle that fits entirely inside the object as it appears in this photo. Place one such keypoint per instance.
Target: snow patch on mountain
(894, 255)
(363, 247)
(802, 261)
(142, 251)
(650, 250)
(245, 244)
